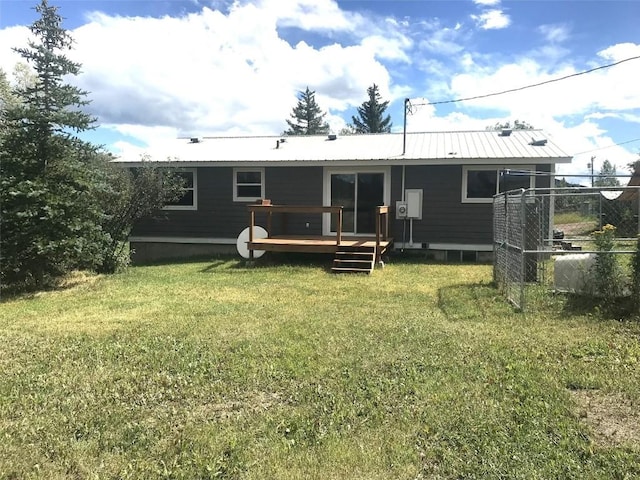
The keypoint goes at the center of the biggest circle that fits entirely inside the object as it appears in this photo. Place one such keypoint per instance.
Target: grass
(216, 370)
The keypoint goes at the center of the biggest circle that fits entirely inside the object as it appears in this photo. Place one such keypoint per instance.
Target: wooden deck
(311, 244)
(339, 244)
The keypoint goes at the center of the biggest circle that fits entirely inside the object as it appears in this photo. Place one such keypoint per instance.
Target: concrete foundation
(152, 252)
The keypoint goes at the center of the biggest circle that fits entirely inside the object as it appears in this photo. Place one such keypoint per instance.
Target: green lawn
(216, 370)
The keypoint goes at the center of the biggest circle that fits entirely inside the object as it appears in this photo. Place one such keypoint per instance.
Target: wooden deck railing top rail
(270, 209)
(294, 208)
(381, 222)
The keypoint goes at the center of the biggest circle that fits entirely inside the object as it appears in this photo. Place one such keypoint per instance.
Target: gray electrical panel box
(413, 199)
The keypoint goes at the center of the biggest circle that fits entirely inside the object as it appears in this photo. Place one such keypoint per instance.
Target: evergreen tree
(307, 118)
(50, 217)
(371, 117)
(57, 193)
(607, 176)
(63, 204)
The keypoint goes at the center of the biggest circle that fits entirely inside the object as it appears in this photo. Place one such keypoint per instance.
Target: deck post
(339, 228)
(252, 222)
(378, 228)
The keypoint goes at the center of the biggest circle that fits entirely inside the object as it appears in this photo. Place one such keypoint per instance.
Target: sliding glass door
(358, 193)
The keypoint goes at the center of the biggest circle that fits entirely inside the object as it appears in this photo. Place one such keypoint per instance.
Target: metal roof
(485, 146)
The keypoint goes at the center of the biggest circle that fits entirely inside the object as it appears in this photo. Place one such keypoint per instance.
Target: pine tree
(63, 205)
(371, 117)
(50, 218)
(307, 118)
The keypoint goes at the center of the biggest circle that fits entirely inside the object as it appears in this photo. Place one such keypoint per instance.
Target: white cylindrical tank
(572, 273)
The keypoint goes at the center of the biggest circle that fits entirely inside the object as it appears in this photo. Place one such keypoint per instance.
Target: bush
(608, 279)
(635, 278)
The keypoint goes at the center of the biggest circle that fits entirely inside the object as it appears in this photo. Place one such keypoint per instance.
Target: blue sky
(159, 69)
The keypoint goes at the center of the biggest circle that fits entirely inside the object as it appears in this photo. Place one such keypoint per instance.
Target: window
(189, 200)
(480, 184)
(248, 184)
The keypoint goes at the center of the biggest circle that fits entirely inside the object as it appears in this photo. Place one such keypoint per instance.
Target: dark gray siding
(218, 216)
(294, 186)
(445, 218)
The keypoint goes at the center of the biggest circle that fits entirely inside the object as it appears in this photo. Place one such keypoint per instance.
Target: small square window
(248, 184)
(188, 201)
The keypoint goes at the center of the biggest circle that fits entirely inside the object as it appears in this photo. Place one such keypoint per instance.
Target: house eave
(347, 163)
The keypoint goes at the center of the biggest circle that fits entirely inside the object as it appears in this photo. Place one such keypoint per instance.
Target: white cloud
(233, 72)
(486, 2)
(607, 89)
(492, 20)
(215, 73)
(555, 33)
(12, 37)
(620, 51)
(442, 40)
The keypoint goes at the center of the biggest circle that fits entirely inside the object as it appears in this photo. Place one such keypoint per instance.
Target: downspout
(404, 151)
(404, 220)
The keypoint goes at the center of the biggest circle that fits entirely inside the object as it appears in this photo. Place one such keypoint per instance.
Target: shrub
(635, 277)
(608, 280)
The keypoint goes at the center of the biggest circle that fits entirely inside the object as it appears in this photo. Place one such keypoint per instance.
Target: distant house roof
(485, 146)
(634, 181)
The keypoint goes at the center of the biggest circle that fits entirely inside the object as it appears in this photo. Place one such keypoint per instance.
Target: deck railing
(271, 209)
(381, 218)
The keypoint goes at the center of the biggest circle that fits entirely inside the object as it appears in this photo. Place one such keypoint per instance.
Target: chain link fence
(543, 238)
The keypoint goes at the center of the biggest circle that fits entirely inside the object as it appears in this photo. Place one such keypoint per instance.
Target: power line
(511, 90)
(609, 146)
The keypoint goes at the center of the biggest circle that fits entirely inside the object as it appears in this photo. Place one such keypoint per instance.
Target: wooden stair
(354, 259)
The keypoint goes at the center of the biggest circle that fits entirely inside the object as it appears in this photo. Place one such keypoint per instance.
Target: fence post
(523, 246)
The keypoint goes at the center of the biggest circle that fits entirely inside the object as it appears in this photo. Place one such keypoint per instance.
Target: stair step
(350, 270)
(354, 259)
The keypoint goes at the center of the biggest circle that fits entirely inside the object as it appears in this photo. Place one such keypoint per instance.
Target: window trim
(326, 196)
(237, 198)
(193, 206)
(497, 168)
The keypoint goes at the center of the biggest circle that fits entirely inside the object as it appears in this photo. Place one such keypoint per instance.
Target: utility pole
(590, 164)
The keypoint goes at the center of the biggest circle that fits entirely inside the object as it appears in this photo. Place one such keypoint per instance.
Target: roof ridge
(273, 136)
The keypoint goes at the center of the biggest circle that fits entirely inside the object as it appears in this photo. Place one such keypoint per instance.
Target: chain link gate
(543, 237)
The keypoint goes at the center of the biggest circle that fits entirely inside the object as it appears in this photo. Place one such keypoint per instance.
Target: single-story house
(438, 187)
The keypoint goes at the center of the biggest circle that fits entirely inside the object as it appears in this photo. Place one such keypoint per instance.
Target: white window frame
(326, 217)
(497, 168)
(237, 198)
(193, 206)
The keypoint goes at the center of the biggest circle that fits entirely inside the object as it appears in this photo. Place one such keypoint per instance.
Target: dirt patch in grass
(577, 229)
(612, 418)
(256, 402)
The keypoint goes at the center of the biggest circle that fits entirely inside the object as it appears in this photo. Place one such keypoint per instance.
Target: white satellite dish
(611, 194)
(243, 238)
